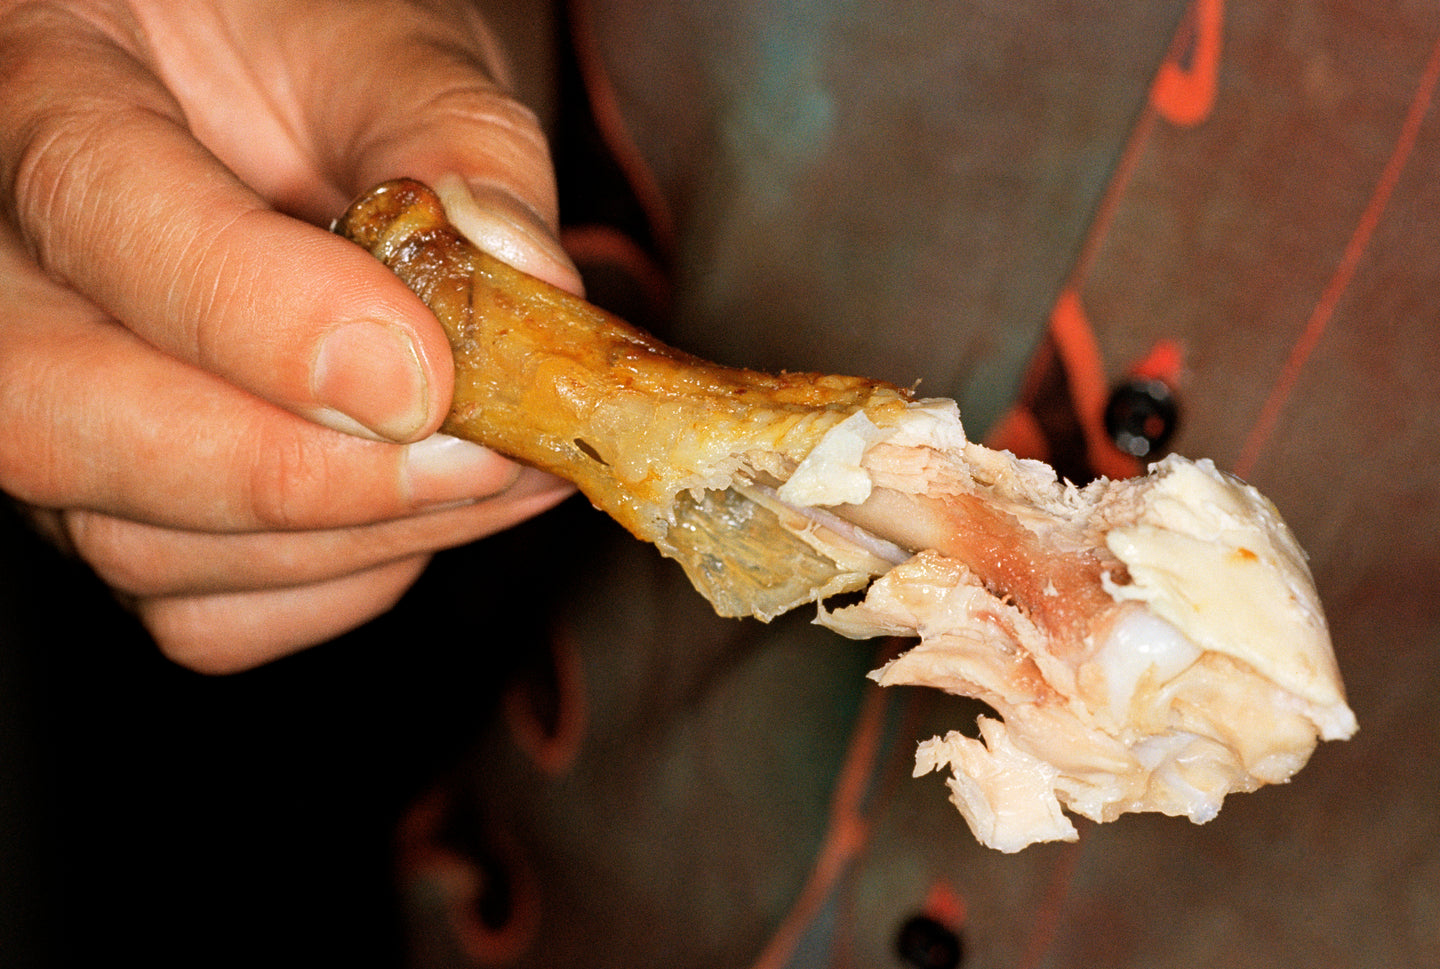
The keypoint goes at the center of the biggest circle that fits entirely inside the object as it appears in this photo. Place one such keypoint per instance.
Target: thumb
(456, 125)
(503, 226)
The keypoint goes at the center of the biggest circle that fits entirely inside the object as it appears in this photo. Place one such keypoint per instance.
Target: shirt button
(926, 943)
(1141, 415)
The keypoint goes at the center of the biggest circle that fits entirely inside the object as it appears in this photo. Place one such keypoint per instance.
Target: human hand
(221, 407)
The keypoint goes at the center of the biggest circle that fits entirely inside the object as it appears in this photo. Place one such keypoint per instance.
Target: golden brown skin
(651, 435)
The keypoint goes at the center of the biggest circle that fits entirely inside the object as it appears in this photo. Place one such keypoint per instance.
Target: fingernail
(368, 377)
(508, 229)
(444, 470)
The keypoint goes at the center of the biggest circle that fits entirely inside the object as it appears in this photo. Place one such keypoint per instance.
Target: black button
(925, 943)
(1141, 416)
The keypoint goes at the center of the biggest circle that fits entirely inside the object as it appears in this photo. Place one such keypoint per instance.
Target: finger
(96, 419)
(192, 260)
(455, 124)
(231, 632)
(427, 97)
(149, 561)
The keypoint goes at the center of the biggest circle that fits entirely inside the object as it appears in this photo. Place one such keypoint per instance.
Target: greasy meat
(1146, 645)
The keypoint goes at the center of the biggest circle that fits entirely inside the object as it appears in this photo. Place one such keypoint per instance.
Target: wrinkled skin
(168, 288)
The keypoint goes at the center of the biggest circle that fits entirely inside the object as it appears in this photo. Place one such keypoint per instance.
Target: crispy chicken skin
(1147, 645)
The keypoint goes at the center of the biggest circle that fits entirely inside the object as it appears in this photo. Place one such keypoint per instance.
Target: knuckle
(511, 131)
(75, 103)
(238, 300)
(51, 132)
(48, 181)
(289, 481)
(56, 186)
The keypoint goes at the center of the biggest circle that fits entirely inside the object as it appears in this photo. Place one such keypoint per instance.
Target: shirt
(1021, 206)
